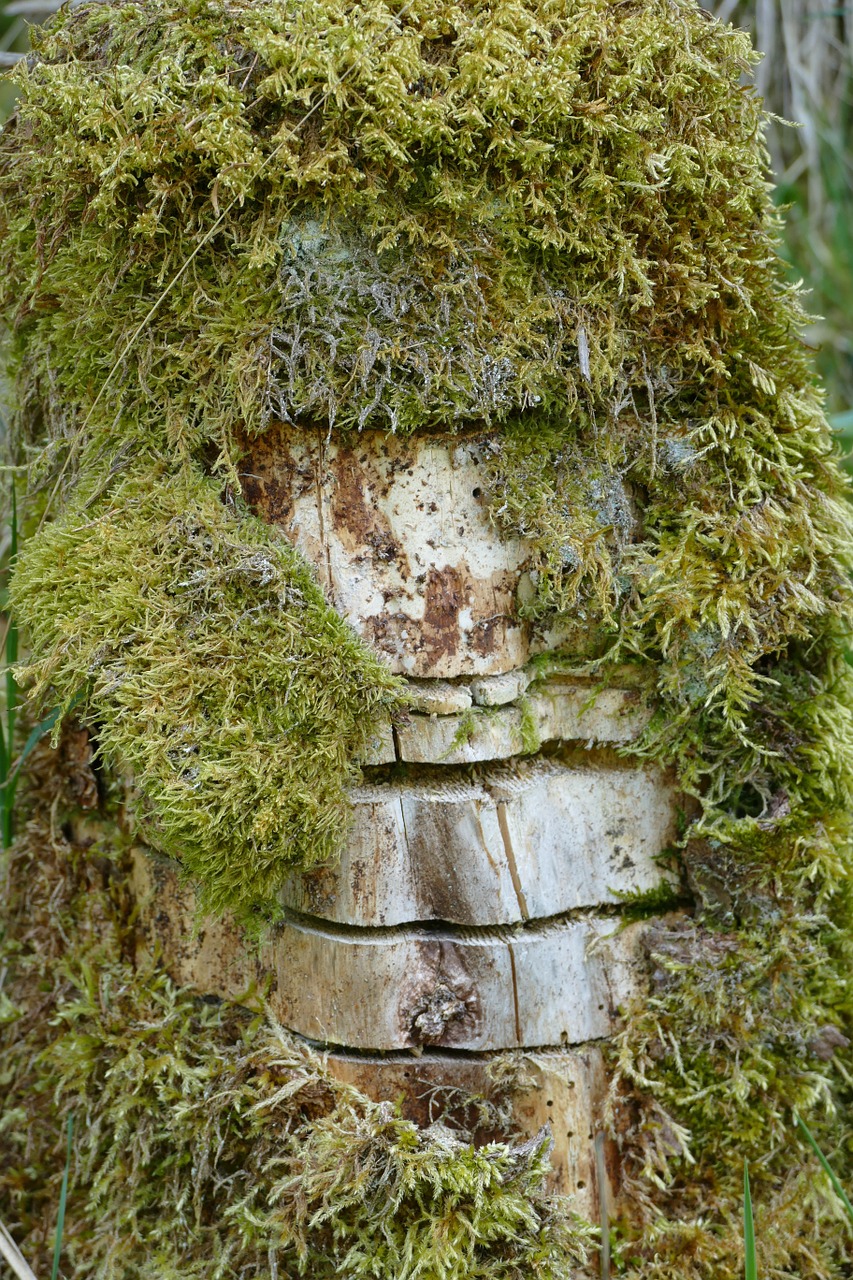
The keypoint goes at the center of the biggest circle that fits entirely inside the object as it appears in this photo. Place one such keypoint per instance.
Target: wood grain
(521, 842)
(561, 983)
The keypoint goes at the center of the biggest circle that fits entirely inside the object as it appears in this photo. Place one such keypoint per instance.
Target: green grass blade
(43, 727)
(827, 1168)
(748, 1229)
(63, 1196)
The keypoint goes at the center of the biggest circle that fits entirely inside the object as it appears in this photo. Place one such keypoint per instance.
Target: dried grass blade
(13, 1256)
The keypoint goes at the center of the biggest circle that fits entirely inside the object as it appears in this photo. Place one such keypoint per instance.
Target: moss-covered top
(461, 212)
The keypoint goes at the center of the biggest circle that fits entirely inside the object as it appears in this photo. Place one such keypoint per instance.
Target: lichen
(551, 217)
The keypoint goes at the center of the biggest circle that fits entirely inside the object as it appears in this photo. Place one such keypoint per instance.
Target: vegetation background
(806, 77)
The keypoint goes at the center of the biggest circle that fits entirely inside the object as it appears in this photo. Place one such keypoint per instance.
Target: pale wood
(522, 842)
(400, 536)
(495, 691)
(461, 739)
(561, 983)
(562, 708)
(437, 697)
(554, 710)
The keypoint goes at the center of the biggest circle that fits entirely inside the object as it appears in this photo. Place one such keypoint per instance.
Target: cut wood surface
(536, 839)
(445, 726)
(561, 983)
(564, 1089)
(399, 533)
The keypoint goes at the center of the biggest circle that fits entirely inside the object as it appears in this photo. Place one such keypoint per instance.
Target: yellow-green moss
(216, 672)
(209, 1142)
(551, 216)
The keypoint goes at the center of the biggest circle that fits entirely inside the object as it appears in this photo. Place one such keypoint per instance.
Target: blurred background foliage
(806, 78)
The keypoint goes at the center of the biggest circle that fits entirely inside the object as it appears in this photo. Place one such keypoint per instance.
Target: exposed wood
(554, 710)
(528, 841)
(560, 983)
(438, 697)
(400, 535)
(444, 727)
(564, 1089)
(462, 739)
(562, 708)
(495, 691)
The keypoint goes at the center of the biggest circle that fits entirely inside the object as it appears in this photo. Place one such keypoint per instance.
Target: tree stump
(471, 930)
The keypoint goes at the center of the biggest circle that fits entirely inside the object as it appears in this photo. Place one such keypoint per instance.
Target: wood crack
(503, 823)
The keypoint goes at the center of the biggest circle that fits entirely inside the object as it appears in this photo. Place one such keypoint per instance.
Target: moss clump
(551, 216)
(219, 676)
(208, 1142)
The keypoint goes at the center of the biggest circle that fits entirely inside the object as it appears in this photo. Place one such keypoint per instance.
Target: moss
(208, 1141)
(530, 738)
(552, 217)
(217, 673)
(645, 903)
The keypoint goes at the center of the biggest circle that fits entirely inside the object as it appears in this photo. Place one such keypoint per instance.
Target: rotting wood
(437, 697)
(559, 983)
(564, 1089)
(400, 535)
(495, 691)
(446, 849)
(554, 710)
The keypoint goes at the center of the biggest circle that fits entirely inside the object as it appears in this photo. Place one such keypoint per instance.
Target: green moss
(529, 726)
(549, 216)
(645, 903)
(209, 1142)
(215, 670)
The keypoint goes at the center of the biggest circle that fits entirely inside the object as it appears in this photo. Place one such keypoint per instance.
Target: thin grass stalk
(750, 1261)
(827, 1167)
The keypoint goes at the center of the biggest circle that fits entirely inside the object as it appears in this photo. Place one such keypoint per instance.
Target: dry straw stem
(13, 1257)
(550, 218)
(804, 77)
